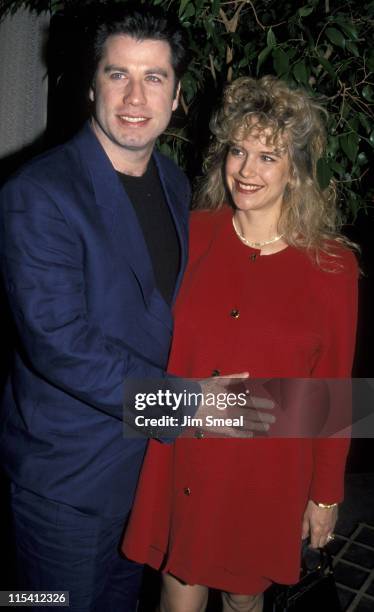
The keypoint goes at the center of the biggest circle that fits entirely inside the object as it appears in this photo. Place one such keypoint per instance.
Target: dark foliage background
(322, 45)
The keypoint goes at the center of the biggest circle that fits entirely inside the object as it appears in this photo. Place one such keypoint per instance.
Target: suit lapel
(123, 223)
(120, 215)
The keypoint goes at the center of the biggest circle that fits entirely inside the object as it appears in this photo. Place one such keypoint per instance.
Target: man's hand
(319, 523)
(253, 420)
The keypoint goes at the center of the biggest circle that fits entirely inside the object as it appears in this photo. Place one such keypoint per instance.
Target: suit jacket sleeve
(43, 275)
(335, 361)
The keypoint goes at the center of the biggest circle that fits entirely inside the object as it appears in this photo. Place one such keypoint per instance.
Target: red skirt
(221, 513)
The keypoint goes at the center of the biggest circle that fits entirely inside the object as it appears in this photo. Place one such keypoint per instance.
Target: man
(94, 240)
(94, 237)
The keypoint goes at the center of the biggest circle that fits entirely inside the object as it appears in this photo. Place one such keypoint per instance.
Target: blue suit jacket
(82, 291)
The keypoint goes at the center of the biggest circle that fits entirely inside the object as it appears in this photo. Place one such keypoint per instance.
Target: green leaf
(332, 145)
(262, 57)
(304, 11)
(216, 4)
(336, 37)
(182, 7)
(348, 28)
(190, 10)
(199, 7)
(189, 86)
(165, 149)
(291, 52)
(371, 138)
(337, 168)
(324, 173)
(364, 120)
(243, 62)
(345, 109)
(349, 144)
(354, 205)
(370, 61)
(362, 159)
(352, 47)
(327, 66)
(353, 123)
(281, 61)
(209, 28)
(300, 72)
(55, 6)
(367, 92)
(271, 41)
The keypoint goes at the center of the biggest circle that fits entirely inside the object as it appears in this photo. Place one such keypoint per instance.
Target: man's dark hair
(141, 23)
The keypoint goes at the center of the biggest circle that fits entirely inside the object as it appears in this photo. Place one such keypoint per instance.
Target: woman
(270, 289)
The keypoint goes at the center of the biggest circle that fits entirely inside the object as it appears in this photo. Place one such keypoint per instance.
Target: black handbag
(316, 588)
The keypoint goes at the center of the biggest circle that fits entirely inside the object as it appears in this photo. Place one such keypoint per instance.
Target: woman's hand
(318, 523)
(253, 413)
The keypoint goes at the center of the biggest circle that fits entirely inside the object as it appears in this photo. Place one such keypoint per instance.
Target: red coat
(228, 513)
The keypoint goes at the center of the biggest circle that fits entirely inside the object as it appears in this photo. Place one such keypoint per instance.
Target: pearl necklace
(255, 245)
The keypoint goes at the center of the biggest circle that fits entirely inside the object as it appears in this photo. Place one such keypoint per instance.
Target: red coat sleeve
(335, 361)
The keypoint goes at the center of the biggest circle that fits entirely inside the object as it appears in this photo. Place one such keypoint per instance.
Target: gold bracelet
(326, 506)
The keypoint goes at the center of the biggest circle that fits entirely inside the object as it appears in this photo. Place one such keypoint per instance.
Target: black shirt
(155, 219)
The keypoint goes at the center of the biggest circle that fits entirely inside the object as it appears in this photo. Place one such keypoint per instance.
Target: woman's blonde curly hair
(293, 121)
